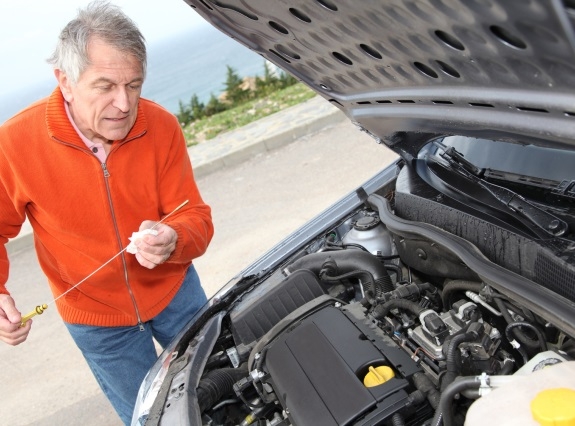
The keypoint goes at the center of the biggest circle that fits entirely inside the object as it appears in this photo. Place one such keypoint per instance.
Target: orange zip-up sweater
(82, 212)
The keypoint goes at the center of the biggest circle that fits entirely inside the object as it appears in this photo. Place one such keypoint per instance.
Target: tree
(185, 115)
(234, 93)
(197, 107)
(213, 106)
(287, 80)
(269, 82)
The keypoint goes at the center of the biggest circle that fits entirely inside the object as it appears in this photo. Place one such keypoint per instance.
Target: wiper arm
(546, 221)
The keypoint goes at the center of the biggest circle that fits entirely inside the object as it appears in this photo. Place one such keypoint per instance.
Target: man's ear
(64, 84)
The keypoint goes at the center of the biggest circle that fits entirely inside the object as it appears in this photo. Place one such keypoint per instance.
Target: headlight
(151, 385)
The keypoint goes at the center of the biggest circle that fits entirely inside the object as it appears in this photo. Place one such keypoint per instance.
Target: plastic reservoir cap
(554, 407)
(378, 376)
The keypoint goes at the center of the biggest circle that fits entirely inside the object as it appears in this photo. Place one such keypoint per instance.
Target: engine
(351, 332)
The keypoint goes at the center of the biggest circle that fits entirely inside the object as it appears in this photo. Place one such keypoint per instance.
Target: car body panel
(454, 267)
(482, 69)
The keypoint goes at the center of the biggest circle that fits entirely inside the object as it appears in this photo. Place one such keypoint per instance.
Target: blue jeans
(120, 357)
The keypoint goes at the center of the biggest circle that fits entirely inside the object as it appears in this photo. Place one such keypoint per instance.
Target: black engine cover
(317, 370)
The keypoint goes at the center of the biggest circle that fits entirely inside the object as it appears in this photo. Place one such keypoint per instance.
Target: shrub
(272, 80)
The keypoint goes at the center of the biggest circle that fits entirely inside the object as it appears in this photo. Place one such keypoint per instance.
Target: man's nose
(121, 99)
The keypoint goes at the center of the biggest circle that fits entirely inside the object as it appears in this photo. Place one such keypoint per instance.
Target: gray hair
(108, 23)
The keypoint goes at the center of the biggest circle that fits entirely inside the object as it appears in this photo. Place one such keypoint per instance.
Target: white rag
(136, 236)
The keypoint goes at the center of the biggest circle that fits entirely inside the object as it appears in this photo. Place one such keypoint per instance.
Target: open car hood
(407, 70)
(440, 275)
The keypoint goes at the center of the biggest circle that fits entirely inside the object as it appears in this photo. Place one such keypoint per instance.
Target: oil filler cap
(378, 376)
(554, 407)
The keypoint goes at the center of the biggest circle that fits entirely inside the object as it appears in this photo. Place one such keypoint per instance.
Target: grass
(208, 128)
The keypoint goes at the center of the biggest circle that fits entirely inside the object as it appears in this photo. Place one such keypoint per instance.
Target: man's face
(104, 101)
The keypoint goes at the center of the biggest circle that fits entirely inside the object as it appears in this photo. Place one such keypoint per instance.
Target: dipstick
(38, 311)
(41, 308)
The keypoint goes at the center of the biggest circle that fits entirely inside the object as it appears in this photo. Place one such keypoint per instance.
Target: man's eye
(104, 88)
(135, 86)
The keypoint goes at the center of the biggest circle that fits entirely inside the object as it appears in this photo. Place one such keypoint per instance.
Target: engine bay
(441, 292)
(370, 326)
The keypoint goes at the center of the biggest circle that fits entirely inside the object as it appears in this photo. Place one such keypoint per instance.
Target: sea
(191, 62)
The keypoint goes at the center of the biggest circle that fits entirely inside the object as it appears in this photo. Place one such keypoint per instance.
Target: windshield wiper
(544, 220)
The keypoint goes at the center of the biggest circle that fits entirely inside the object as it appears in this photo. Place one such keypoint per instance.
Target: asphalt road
(45, 380)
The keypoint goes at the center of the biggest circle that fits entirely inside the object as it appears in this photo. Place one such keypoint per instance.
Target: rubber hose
(415, 398)
(451, 357)
(523, 311)
(451, 352)
(443, 412)
(347, 260)
(425, 385)
(397, 420)
(538, 333)
(381, 311)
(373, 290)
(397, 270)
(407, 291)
(216, 384)
(512, 326)
(507, 367)
(517, 334)
(458, 285)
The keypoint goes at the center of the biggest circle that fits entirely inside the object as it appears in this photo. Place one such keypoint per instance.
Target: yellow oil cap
(554, 407)
(378, 376)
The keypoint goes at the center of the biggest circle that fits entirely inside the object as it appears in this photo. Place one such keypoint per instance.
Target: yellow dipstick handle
(38, 311)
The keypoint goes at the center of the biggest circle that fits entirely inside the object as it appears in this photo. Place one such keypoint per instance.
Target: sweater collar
(60, 128)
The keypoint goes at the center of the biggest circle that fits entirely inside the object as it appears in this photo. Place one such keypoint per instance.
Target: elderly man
(88, 166)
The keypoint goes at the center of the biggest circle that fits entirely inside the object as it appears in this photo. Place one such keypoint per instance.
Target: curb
(237, 146)
(264, 135)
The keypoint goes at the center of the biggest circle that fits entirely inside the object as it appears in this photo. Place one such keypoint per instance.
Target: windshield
(528, 160)
(528, 186)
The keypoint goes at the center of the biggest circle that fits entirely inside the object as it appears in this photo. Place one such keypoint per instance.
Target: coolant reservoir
(541, 394)
(370, 233)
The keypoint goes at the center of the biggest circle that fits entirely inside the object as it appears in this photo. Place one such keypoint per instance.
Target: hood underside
(405, 71)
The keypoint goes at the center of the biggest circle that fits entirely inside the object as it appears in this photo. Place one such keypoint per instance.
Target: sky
(29, 30)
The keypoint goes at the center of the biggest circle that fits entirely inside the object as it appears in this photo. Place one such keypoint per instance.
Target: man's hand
(10, 319)
(153, 250)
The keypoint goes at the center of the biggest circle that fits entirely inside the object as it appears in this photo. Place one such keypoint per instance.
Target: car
(442, 291)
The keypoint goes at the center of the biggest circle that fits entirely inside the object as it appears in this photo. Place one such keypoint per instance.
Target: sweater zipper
(130, 292)
(106, 176)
